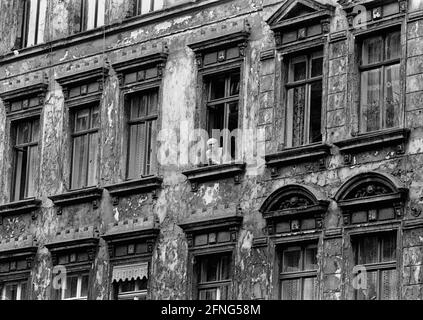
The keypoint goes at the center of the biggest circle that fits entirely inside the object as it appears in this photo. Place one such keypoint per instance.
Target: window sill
(297, 155)
(130, 187)
(78, 196)
(370, 141)
(214, 172)
(19, 207)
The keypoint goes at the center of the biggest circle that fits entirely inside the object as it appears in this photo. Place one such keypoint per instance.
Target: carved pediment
(298, 13)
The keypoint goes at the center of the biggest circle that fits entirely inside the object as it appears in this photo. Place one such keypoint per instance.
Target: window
(222, 109)
(146, 6)
(142, 126)
(131, 289)
(14, 290)
(298, 275)
(89, 14)
(25, 158)
(378, 255)
(31, 21)
(76, 288)
(304, 107)
(380, 82)
(85, 147)
(214, 277)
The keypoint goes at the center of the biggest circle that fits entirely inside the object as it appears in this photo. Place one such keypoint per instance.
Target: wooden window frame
(308, 82)
(382, 67)
(149, 118)
(79, 276)
(19, 284)
(130, 295)
(198, 270)
(296, 275)
(86, 132)
(379, 266)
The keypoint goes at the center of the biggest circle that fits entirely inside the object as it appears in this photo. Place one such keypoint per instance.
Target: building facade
(311, 189)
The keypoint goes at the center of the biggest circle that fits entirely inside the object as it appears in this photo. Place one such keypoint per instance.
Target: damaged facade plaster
(262, 105)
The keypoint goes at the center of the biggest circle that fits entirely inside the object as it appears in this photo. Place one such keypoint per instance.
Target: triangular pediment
(294, 11)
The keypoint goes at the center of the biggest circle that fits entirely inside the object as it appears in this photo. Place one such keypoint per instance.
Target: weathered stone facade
(171, 202)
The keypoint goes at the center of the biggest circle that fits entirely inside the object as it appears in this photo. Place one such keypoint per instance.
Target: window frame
(130, 295)
(79, 276)
(198, 264)
(382, 65)
(128, 122)
(137, 7)
(300, 274)
(24, 26)
(307, 82)
(380, 266)
(14, 148)
(19, 283)
(73, 135)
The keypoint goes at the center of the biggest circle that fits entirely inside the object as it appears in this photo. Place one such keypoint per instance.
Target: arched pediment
(294, 208)
(369, 184)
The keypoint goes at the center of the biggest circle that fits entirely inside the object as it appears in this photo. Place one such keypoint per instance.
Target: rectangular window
(222, 110)
(298, 274)
(14, 290)
(142, 123)
(25, 158)
(377, 254)
(31, 20)
(131, 289)
(213, 277)
(76, 288)
(88, 14)
(146, 6)
(85, 147)
(304, 107)
(380, 82)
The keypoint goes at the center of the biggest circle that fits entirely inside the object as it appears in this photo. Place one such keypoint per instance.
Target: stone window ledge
(145, 184)
(78, 196)
(19, 207)
(214, 172)
(297, 155)
(370, 141)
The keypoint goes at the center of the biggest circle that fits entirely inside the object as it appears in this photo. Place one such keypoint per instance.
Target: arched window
(296, 212)
(367, 201)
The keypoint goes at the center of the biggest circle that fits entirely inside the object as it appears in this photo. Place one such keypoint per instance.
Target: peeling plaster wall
(254, 266)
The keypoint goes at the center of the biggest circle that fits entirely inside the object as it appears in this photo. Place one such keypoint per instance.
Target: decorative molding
(214, 172)
(92, 194)
(132, 229)
(298, 155)
(20, 253)
(370, 141)
(143, 185)
(74, 239)
(267, 54)
(30, 205)
(222, 35)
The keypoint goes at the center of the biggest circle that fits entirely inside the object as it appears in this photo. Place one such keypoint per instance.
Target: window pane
(35, 130)
(20, 173)
(152, 107)
(310, 260)
(368, 251)
(389, 249)
(234, 85)
(31, 174)
(216, 118)
(80, 161)
(393, 45)
(389, 285)
(310, 288)
(11, 292)
(23, 132)
(369, 293)
(300, 70)
(136, 150)
(291, 289)
(23, 295)
(370, 100)
(127, 286)
(71, 287)
(372, 50)
(317, 67)
(316, 112)
(92, 161)
(84, 286)
(291, 261)
(95, 117)
(82, 120)
(217, 88)
(298, 97)
(209, 294)
(392, 96)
